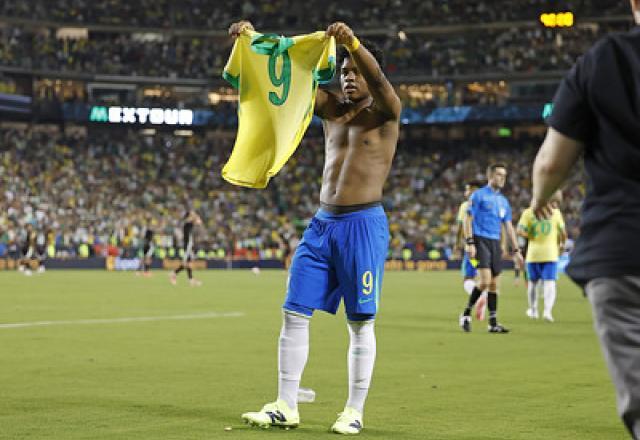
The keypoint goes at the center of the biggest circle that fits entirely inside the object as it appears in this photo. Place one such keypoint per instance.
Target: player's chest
(357, 136)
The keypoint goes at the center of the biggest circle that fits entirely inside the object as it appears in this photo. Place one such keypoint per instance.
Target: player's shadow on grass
(314, 430)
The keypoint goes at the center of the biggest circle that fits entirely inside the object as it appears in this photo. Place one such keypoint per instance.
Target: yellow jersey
(543, 236)
(462, 211)
(277, 79)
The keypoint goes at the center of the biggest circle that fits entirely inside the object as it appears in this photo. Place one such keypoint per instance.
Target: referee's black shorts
(488, 254)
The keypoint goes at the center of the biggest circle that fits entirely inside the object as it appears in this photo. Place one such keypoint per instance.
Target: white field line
(208, 315)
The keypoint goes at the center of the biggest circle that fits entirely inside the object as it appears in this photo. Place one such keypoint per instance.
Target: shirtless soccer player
(342, 252)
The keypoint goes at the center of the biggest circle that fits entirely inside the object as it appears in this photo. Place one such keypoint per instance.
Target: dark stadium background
(475, 78)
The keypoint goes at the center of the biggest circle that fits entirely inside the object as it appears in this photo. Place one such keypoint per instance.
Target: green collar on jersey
(270, 44)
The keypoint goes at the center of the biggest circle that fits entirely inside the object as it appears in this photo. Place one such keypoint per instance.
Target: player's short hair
(372, 47)
(494, 166)
(474, 183)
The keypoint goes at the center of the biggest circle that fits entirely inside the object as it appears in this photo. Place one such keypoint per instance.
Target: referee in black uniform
(596, 115)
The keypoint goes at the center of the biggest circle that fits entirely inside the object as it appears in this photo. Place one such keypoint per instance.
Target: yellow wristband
(355, 44)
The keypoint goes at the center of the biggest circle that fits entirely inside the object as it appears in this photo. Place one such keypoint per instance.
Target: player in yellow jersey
(342, 253)
(546, 237)
(276, 78)
(469, 265)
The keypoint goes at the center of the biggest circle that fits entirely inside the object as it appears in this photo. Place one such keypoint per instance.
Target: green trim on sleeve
(325, 75)
(233, 80)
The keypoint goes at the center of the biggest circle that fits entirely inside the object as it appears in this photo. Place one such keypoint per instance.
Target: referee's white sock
(549, 287)
(361, 357)
(468, 285)
(293, 351)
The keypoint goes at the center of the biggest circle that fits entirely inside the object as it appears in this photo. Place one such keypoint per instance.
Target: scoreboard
(557, 19)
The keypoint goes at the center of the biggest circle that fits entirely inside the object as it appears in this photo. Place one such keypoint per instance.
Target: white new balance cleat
(532, 313)
(349, 422)
(275, 413)
(548, 317)
(195, 283)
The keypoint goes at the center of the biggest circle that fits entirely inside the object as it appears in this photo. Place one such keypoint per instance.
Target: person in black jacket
(596, 115)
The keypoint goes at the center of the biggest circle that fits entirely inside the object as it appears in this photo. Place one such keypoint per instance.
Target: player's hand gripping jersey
(277, 78)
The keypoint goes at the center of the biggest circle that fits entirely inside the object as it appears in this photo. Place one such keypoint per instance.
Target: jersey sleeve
(231, 72)
(524, 222)
(326, 67)
(571, 114)
(462, 211)
(560, 221)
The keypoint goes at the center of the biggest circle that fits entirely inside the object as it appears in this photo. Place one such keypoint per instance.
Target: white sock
(468, 286)
(549, 295)
(361, 357)
(533, 295)
(293, 350)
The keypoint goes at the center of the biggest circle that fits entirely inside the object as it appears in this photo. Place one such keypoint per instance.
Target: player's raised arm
(384, 95)
(324, 101)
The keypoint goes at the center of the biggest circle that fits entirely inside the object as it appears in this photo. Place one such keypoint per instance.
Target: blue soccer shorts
(340, 256)
(547, 271)
(468, 269)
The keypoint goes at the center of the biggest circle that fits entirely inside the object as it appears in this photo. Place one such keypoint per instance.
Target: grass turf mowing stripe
(209, 315)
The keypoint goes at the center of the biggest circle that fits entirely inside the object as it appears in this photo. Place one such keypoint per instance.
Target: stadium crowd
(99, 193)
(510, 50)
(292, 14)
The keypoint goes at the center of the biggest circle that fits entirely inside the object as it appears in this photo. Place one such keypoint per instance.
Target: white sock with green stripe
(361, 358)
(293, 351)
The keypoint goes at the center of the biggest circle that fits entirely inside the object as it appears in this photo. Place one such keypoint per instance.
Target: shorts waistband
(350, 212)
(346, 209)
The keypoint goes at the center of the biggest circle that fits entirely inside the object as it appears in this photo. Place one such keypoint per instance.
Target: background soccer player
(342, 252)
(545, 237)
(42, 241)
(191, 219)
(469, 270)
(488, 211)
(28, 251)
(147, 250)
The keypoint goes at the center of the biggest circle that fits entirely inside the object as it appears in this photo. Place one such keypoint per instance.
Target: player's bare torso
(359, 147)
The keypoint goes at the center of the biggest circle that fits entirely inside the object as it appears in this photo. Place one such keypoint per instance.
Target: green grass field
(189, 378)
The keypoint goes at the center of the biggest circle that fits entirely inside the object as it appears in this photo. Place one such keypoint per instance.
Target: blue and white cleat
(275, 413)
(349, 422)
